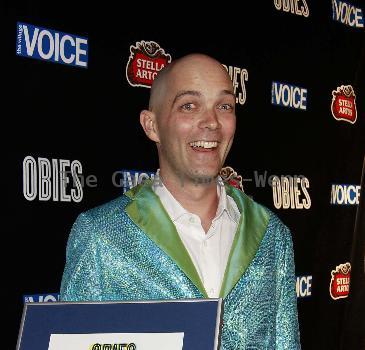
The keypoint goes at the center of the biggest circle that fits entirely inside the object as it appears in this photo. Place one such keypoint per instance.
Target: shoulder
(278, 234)
(107, 210)
(91, 225)
(99, 219)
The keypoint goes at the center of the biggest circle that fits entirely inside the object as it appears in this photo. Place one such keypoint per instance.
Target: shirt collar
(226, 203)
(176, 210)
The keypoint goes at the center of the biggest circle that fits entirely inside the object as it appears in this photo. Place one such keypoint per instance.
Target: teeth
(204, 144)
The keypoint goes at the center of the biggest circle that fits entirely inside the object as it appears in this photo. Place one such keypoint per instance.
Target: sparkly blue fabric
(110, 258)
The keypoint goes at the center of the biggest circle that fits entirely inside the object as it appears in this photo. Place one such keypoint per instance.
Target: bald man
(187, 234)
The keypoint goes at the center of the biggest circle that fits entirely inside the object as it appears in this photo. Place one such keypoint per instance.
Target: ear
(149, 125)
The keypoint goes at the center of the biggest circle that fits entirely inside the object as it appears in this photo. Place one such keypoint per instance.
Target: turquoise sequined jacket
(129, 249)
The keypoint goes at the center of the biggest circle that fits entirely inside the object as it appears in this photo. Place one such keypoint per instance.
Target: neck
(196, 197)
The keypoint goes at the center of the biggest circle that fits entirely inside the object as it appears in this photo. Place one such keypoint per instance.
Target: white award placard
(117, 341)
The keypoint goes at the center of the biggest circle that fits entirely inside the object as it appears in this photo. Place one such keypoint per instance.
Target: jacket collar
(148, 213)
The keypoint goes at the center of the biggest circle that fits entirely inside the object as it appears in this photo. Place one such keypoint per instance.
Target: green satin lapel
(249, 233)
(148, 213)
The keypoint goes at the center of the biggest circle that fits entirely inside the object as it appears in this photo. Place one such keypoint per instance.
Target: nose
(209, 120)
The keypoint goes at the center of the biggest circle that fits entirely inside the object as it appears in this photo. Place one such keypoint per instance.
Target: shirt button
(205, 243)
(211, 291)
(192, 220)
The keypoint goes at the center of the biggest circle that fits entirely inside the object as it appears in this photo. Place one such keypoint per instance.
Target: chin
(204, 176)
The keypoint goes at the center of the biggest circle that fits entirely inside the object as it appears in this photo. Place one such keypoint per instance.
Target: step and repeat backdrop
(77, 78)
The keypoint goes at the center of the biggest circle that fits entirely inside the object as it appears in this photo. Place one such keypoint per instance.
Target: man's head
(191, 118)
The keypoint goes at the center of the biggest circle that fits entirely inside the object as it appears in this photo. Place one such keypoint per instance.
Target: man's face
(196, 120)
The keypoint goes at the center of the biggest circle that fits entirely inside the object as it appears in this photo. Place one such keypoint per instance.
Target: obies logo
(50, 45)
(343, 105)
(287, 95)
(116, 346)
(238, 76)
(230, 176)
(340, 281)
(51, 179)
(296, 7)
(146, 59)
(347, 14)
(291, 192)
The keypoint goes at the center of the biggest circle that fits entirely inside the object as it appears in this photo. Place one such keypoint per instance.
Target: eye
(226, 107)
(187, 107)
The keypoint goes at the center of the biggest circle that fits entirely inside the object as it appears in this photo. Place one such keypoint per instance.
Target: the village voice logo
(347, 14)
(50, 45)
(287, 95)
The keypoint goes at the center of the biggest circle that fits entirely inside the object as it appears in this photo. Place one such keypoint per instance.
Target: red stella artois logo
(340, 281)
(343, 104)
(146, 59)
(230, 176)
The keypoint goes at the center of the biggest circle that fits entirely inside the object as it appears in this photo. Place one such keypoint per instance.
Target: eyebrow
(198, 94)
(186, 92)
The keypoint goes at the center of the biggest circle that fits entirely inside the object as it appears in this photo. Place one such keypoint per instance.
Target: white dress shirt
(210, 250)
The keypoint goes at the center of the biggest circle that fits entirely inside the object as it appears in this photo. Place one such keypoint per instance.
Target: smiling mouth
(203, 145)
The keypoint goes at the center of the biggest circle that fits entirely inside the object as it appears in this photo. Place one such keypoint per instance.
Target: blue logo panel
(345, 194)
(304, 286)
(50, 45)
(41, 298)
(287, 95)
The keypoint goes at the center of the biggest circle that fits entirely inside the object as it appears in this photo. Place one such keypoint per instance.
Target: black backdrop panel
(286, 58)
